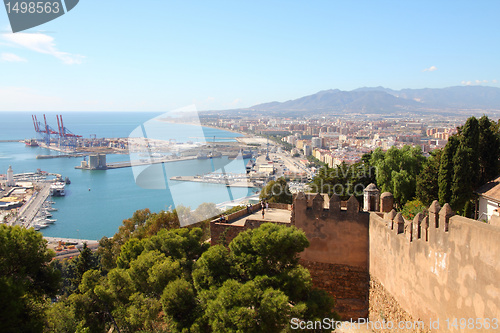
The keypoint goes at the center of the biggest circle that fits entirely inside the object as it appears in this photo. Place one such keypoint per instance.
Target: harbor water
(97, 201)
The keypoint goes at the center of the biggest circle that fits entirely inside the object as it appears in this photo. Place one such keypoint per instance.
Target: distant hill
(384, 100)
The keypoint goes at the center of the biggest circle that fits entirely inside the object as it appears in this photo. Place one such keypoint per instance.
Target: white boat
(58, 189)
(40, 226)
(47, 221)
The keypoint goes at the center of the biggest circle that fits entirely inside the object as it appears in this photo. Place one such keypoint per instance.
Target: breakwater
(41, 157)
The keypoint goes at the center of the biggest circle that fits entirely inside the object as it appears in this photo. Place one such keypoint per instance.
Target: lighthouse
(10, 177)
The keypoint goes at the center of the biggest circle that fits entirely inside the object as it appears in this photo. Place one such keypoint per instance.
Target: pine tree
(464, 175)
(427, 180)
(488, 150)
(469, 138)
(445, 177)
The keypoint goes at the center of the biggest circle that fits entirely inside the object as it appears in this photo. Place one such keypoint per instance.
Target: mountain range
(381, 100)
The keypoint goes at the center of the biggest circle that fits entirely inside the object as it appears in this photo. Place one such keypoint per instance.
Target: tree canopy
(345, 180)
(469, 160)
(174, 282)
(277, 191)
(27, 279)
(397, 171)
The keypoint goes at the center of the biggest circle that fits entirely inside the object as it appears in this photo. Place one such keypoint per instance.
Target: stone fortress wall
(438, 266)
(380, 266)
(338, 254)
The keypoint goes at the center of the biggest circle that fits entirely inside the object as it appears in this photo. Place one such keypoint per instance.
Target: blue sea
(97, 202)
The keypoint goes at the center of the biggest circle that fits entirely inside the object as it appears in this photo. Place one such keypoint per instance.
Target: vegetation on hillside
(452, 174)
(345, 180)
(277, 191)
(28, 279)
(153, 276)
(469, 160)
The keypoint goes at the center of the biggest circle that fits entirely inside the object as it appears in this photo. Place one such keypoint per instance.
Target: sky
(159, 55)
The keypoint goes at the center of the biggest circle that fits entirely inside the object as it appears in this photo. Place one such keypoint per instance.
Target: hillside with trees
(153, 276)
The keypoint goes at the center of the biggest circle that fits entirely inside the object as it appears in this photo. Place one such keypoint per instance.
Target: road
(285, 163)
(32, 206)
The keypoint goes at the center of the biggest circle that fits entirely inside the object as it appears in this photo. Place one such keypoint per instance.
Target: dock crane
(47, 131)
(65, 136)
(63, 131)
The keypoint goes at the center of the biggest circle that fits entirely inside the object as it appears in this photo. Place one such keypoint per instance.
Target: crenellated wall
(337, 257)
(223, 233)
(381, 266)
(435, 267)
(226, 232)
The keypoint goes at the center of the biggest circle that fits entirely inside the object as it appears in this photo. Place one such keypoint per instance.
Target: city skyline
(220, 55)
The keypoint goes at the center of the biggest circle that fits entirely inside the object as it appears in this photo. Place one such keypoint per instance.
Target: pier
(233, 180)
(29, 210)
(116, 165)
(41, 157)
(128, 164)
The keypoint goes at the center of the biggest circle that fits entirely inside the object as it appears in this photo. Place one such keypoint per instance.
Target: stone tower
(386, 202)
(10, 177)
(371, 197)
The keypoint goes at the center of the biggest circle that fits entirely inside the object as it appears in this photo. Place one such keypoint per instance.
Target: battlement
(338, 254)
(321, 207)
(436, 266)
(244, 219)
(379, 265)
(421, 225)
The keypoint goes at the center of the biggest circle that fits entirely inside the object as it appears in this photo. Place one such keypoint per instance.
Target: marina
(37, 209)
(96, 203)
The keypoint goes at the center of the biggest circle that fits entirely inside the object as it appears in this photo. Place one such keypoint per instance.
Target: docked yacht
(58, 189)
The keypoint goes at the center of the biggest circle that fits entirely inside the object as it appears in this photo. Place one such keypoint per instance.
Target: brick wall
(225, 233)
(347, 284)
(280, 206)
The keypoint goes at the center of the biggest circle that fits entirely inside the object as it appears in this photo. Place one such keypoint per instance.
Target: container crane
(67, 138)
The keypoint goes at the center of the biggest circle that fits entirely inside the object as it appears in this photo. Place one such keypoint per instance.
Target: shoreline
(207, 126)
(17, 147)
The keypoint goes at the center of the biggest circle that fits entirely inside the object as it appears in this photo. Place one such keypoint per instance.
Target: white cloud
(42, 43)
(11, 57)
(430, 69)
(478, 82)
